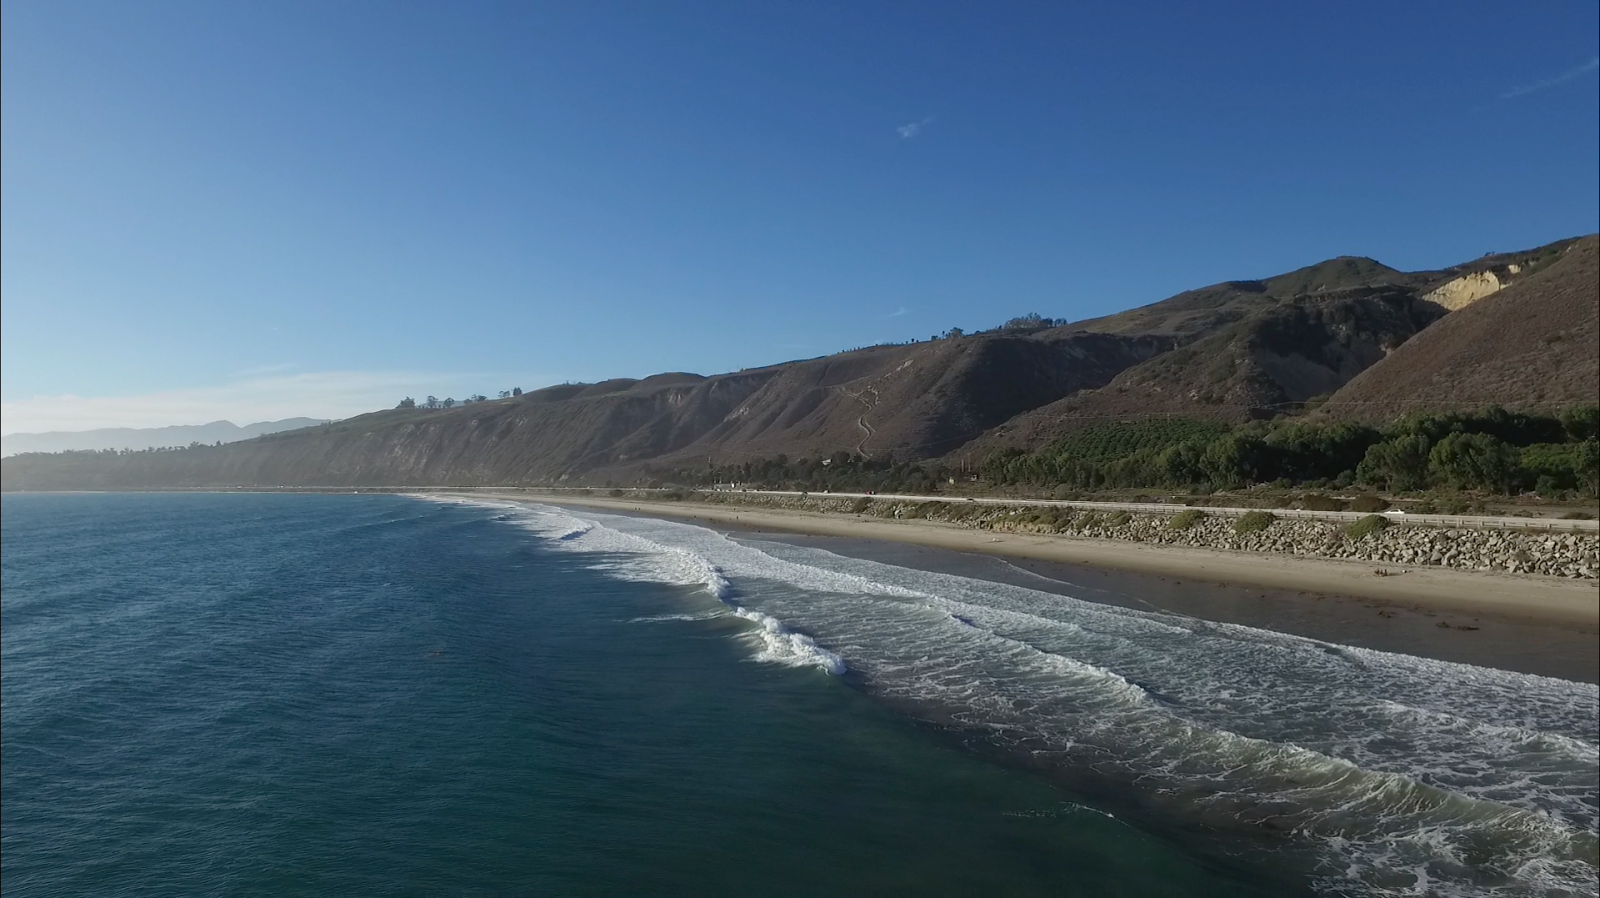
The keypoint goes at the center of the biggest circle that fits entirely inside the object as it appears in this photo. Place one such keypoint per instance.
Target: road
(1482, 522)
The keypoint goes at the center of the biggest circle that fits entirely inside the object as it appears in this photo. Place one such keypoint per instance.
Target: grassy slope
(1535, 344)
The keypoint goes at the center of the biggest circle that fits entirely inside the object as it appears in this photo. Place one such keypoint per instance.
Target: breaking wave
(1368, 772)
(631, 556)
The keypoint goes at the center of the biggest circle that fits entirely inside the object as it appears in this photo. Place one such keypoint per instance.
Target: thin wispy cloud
(267, 369)
(898, 312)
(326, 394)
(1562, 78)
(907, 132)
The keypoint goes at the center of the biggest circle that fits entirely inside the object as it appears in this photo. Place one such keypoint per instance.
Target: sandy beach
(1495, 596)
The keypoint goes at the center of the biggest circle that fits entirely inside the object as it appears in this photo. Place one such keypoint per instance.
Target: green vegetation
(1372, 523)
(1253, 522)
(1319, 502)
(860, 505)
(1493, 451)
(844, 472)
(1183, 520)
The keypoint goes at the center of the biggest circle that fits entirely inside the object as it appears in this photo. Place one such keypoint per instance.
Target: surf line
(782, 643)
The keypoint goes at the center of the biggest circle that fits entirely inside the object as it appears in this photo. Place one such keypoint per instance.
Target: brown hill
(1232, 351)
(1197, 313)
(916, 400)
(1532, 345)
(1261, 358)
(903, 400)
(540, 436)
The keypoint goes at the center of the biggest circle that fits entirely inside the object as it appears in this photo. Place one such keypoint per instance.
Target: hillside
(1258, 360)
(917, 399)
(1228, 353)
(1532, 345)
(1263, 348)
(1196, 313)
(900, 400)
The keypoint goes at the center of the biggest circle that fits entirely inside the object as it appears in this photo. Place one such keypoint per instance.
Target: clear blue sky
(311, 208)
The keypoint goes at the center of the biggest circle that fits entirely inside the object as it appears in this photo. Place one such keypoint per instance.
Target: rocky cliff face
(1467, 289)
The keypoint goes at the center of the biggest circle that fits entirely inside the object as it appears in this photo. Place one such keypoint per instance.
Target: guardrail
(1544, 525)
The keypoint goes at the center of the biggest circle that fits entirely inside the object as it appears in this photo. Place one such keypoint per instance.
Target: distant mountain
(1534, 344)
(1350, 328)
(145, 437)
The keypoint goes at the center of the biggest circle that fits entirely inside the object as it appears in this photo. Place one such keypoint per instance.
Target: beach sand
(1534, 624)
(1534, 599)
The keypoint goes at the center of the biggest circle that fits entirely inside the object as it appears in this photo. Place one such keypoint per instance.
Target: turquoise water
(299, 694)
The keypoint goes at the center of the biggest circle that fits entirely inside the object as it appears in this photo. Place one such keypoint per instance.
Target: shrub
(674, 495)
(861, 505)
(615, 493)
(1253, 522)
(1400, 463)
(1368, 504)
(1559, 465)
(1372, 523)
(1089, 519)
(1319, 502)
(1474, 461)
(1120, 519)
(1185, 519)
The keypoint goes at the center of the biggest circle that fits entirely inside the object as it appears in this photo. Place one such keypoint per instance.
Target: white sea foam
(633, 556)
(1402, 775)
(788, 647)
(663, 618)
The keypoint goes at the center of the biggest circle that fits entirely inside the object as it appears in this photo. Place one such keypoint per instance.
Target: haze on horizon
(261, 211)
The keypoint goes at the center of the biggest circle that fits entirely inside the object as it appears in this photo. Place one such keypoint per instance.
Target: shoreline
(1515, 598)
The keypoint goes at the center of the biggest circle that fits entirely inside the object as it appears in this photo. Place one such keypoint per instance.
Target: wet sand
(1531, 624)
(1565, 653)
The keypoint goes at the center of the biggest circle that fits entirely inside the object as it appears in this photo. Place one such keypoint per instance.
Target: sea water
(353, 694)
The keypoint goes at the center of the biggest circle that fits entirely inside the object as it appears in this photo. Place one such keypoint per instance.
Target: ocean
(377, 694)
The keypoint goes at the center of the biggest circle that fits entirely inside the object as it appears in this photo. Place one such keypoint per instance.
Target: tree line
(1493, 451)
(434, 402)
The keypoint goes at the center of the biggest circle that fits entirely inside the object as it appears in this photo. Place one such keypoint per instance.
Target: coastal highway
(1480, 522)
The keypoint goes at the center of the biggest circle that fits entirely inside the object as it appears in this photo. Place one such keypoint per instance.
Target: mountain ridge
(1236, 351)
(146, 437)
